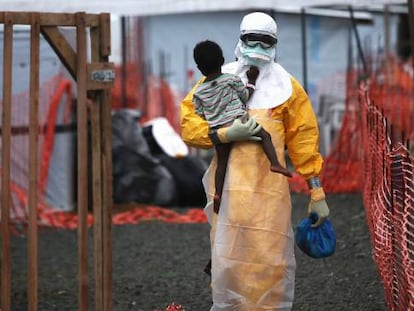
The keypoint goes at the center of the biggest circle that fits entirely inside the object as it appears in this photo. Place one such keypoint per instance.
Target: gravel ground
(157, 263)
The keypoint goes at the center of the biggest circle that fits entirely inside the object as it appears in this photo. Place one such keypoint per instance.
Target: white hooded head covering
(273, 86)
(259, 23)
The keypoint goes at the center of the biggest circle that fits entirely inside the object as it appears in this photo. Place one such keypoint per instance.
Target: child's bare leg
(222, 151)
(270, 152)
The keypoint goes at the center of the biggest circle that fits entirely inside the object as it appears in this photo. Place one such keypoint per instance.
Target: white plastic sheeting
(327, 45)
(156, 7)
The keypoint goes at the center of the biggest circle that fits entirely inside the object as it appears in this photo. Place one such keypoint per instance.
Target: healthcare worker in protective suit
(252, 241)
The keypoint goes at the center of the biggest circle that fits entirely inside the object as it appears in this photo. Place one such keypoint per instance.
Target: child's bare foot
(216, 203)
(281, 170)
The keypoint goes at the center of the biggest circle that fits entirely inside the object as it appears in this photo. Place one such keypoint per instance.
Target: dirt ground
(157, 263)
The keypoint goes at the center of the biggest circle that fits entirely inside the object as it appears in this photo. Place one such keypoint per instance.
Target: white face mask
(257, 55)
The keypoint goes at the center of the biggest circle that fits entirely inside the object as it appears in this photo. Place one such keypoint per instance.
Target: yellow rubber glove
(239, 131)
(318, 205)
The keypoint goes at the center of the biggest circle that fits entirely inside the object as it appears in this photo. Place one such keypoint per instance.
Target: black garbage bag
(138, 176)
(187, 172)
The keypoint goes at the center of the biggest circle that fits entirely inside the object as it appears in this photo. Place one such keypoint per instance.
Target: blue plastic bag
(316, 242)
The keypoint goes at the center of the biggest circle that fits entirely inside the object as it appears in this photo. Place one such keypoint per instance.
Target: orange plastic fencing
(131, 92)
(388, 193)
(152, 96)
(391, 89)
(56, 218)
(343, 162)
(371, 155)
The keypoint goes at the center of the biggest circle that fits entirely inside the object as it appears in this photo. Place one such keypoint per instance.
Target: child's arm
(246, 91)
(252, 75)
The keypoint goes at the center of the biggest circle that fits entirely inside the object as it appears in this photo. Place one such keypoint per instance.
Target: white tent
(157, 7)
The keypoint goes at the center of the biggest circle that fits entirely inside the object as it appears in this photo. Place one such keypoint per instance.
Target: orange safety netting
(371, 156)
(19, 148)
(128, 92)
(152, 96)
(343, 161)
(388, 193)
(69, 220)
(391, 90)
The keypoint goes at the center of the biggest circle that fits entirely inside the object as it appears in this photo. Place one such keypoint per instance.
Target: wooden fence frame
(94, 82)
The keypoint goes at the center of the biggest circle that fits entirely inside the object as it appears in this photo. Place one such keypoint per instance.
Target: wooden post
(107, 197)
(5, 161)
(33, 162)
(124, 61)
(81, 75)
(97, 179)
(106, 153)
(102, 164)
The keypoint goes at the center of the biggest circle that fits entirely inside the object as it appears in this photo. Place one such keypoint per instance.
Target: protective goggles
(253, 40)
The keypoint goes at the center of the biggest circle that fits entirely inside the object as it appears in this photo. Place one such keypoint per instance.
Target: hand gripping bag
(316, 242)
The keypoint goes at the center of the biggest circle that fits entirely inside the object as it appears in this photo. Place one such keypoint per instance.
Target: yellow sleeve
(194, 129)
(302, 133)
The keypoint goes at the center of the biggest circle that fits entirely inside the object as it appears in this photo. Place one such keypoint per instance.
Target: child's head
(209, 57)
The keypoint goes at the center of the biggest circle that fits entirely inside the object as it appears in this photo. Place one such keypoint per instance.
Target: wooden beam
(61, 47)
(101, 134)
(53, 19)
(105, 101)
(107, 202)
(82, 111)
(5, 161)
(33, 163)
(105, 34)
(96, 174)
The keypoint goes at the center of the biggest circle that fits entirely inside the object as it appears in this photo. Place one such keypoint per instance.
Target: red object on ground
(174, 307)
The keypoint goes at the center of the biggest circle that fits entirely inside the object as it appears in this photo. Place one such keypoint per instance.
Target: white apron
(252, 241)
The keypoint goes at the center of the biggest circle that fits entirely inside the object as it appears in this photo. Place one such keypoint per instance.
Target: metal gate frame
(94, 83)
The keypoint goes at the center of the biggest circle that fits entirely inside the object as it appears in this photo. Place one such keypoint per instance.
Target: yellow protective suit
(252, 241)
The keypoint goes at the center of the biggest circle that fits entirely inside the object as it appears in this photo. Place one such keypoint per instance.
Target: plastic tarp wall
(50, 63)
(154, 7)
(59, 179)
(327, 45)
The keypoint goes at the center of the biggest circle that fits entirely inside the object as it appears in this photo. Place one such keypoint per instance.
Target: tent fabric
(156, 7)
